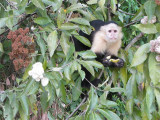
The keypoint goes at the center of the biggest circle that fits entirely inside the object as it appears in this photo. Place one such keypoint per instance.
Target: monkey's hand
(112, 61)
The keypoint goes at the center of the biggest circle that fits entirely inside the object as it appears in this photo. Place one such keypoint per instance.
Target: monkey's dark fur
(101, 57)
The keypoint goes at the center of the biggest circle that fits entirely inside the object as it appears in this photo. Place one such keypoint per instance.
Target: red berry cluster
(22, 46)
(157, 2)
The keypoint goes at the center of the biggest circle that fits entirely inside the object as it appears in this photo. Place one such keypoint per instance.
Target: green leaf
(108, 103)
(157, 12)
(64, 42)
(81, 21)
(28, 86)
(1, 47)
(30, 9)
(108, 114)
(25, 104)
(75, 7)
(70, 52)
(87, 54)
(56, 4)
(90, 2)
(131, 88)
(63, 92)
(10, 22)
(101, 4)
(157, 94)
(42, 20)
(7, 111)
(149, 7)
(52, 42)
(83, 40)
(44, 101)
(123, 75)
(146, 28)
(150, 98)
(67, 72)
(117, 89)
(95, 64)
(154, 70)
(39, 4)
(82, 74)
(141, 55)
(129, 106)
(93, 98)
(68, 26)
(76, 91)
(61, 17)
(88, 67)
(139, 14)
(25, 75)
(41, 44)
(113, 6)
(3, 22)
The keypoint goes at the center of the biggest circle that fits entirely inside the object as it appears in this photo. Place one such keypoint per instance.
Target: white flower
(44, 81)
(37, 73)
(158, 58)
(143, 21)
(157, 49)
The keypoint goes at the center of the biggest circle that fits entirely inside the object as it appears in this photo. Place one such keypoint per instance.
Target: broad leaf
(25, 104)
(64, 41)
(149, 7)
(81, 21)
(52, 42)
(90, 2)
(68, 26)
(75, 7)
(113, 6)
(88, 67)
(87, 54)
(83, 40)
(109, 114)
(141, 55)
(39, 4)
(44, 101)
(146, 28)
(154, 69)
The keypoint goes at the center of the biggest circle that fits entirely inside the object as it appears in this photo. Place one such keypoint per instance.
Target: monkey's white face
(112, 32)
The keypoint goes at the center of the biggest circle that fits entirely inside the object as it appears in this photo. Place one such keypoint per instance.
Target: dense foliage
(40, 71)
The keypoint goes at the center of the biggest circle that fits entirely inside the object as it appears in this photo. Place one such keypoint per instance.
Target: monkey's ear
(103, 28)
(120, 28)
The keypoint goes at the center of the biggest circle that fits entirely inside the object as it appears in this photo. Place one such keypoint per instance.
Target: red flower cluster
(157, 2)
(22, 46)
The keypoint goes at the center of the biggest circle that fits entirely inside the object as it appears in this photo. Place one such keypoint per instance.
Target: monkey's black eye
(109, 31)
(115, 31)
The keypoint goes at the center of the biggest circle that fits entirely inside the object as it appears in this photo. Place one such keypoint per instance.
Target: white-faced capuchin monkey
(106, 42)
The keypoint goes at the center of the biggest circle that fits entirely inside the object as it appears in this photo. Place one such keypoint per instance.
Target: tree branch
(134, 40)
(132, 23)
(84, 99)
(109, 10)
(125, 12)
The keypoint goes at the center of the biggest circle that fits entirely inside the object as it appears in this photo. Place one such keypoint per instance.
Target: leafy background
(129, 93)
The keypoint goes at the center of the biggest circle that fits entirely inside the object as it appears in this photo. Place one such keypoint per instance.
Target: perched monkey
(106, 42)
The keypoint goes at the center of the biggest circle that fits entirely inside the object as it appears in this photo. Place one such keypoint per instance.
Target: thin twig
(109, 10)
(84, 99)
(69, 16)
(134, 40)
(100, 74)
(125, 12)
(11, 4)
(3, 7)
(132, 23)
(94, 85)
